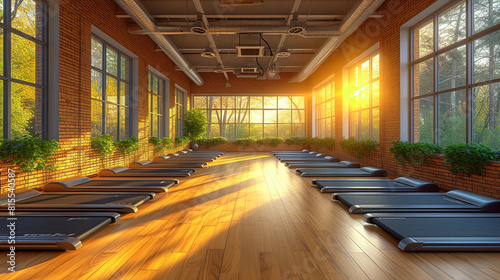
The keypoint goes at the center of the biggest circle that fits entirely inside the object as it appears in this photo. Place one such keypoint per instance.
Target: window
(325, 111)
(110, 91)
(364, 99)
(156, 102)
(235, 117)
(455, 86)
(23, 68)
(180, 99)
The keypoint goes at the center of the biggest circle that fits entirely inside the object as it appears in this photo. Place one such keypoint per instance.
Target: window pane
(228, 102)
(154, 105)
(365, 124)
(298, 130)
(452, 25)
(284, 102)
(122, 93)
(452, 118)
(125, 68)
(26, 15)
(365, 97)
(96, 118)
(256, 102)
(423, 38)
(1, 50)
(376, 124)
(242, 131)
(214, 102)
(423, 78)
(229, 131)
(423, 120)
(124, 123)
(284, 130)
(96, 53)
(452, 72)
(154, 88)
(1, 110)
(154, 126)
(112, 121)
(111, 61)
(298, 116)
(229, 116)
(214, 130)
(200, 102)
(96, 85)
(328, 127)
(26, 113)
(270, 130)
(256, 116)
(242, 101)
(284, 116)
(483, 18)
(365, 73)
(486, 118)
(353, 103)
(111, 90)
(270, 116)
(354, 125)
(270, 102)
(26, 60)
(160, 106)
(243, 116)
(487, 58)
(215, 116)
(375, 66)
(256, 130)
(376, 94)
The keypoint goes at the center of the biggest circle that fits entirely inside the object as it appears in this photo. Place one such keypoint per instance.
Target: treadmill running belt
(342, 172)
(97, 198)
(355, 183)
(438, 199)
(129, 183)
(156, 171)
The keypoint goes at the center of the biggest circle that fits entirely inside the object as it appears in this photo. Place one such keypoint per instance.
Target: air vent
(250, 51)
(248, 69)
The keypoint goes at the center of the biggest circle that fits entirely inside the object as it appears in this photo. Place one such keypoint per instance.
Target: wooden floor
(246, 216)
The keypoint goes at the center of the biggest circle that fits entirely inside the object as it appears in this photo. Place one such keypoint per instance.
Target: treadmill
(145, 172)
(203, 156)
(85, 184)
(166, 164)
(342, 172)
(401, 184)
(292, 152)
(182, 159)
(310, 159)
(298, 157)
(429, 232)
(342, 164)
(190, 151)
(452, 201)
(52, 230)
(35, 201)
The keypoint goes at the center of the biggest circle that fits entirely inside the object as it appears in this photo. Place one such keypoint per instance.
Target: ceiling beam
(283, 17)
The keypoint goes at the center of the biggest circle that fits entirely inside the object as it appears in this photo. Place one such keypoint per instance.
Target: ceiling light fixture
(208, 53)
(219, 68)
(296, 27)
(283, 53)
(273, 70)
(228, 84)
(199, 26)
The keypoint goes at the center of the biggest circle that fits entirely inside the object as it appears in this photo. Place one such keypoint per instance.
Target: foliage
(358, 148)
(212, 141)
(468, 158)
(103, 144)
(245, 141)
(30, 151)
(160, 144)
(327, 142)
(179, 141)
(195, 124)
(274, 141)
(413, 153)
(297, 141)
(127, 146)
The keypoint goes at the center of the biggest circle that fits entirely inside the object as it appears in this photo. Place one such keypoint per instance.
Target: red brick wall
(76, 158)
(386, 31)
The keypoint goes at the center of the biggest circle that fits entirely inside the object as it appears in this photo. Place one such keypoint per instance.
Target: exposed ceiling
(296, 36)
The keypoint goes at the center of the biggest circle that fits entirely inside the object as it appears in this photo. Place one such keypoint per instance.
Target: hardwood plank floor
(246, 216)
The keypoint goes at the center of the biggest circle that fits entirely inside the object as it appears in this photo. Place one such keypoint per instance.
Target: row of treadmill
(411, 210)
(63, 213)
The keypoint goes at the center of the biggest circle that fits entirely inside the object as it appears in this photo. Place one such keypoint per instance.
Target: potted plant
(195, 125)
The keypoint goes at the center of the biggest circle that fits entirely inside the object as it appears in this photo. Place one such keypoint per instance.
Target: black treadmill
(166, 164)
(441, 231)
(342, 164)
(298, 157)
(401, 184)
(342, 172)
(121, 202)
(85, 184)
(310, 159)
(52, 230)
(182, 159)
(190, 151)
(452, 201)
(292, 152)
(145, 172)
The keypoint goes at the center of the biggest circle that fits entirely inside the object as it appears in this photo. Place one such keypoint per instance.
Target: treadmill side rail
(451, 244)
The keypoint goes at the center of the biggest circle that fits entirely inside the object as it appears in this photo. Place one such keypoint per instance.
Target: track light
(273, 70)
(199, 26)
(228, 84)
(208, 53)
(296, 27)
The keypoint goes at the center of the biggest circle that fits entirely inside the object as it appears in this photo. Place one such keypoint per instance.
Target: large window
(180, 107)
(325, 110)
(110, 91)
(235, 117)
(364, 99)
(455, 70)
(156, 94)
(23, 48)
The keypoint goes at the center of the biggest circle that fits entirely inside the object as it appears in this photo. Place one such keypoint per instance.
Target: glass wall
(325, 110)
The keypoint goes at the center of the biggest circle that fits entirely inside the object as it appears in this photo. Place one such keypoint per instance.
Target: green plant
(245, 141)
(30, 151)
(195, 124)
(212, 141)
(160, 144)
(413, 153)
(358, 148)
(274, 141)
(297, 141)
(179, 141)
(327, 142)
(103, 144)
(468, 158)
(127, 146)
